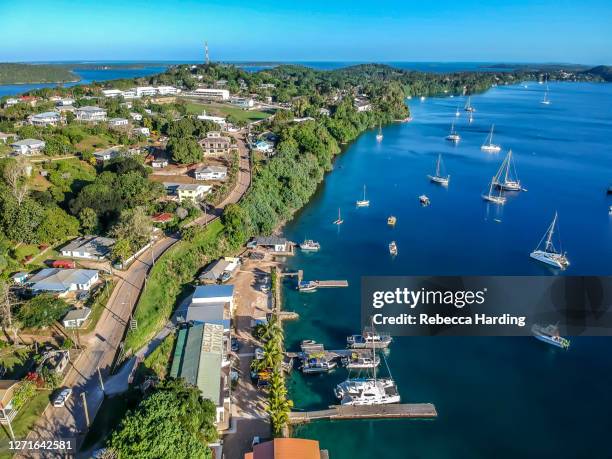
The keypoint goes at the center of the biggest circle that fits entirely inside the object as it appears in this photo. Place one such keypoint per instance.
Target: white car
(61, 398)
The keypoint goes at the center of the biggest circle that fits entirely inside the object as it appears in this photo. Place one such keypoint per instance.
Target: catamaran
(488, 145)
(468, 105)
(393, 248)
(549, 253)
(506, 177)
(339, 220)
(453, 136)
(550, 335)
(379, 136)
(491, 197)
(363, 202)
(437, 177)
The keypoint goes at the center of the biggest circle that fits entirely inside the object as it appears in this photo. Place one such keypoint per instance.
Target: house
(28, 146)
(211, 294)
(20, 277)
(112, 92)
(136, 116)
(273, 243)
(219, 270)
(76, 317)
(55, 361)
(288, 448)
(107, 154)
(162, 217)
(264, 146)
(192, 192)
(89, 247)
(64, 102)
(303, 120)
(243, 102)
(10, 102)
(215, 119)
(142, 91)
(212, 94)
(45, 119)
(90, 114)
(159, 163)
(211, 173)
(130, 94)
(198, 359)
(215, 144)
(267, 86)
(362, 105)
(117, 122)
(62, 281)
(7, 409)
(142, 131)
(5, 137)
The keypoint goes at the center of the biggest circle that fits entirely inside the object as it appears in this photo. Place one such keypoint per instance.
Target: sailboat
(457, 112)
(506, 178)
(393, 248)
(491, 197)
(470, 118)
(379, 136)
(546, 100)
(437, 178)
(363, 202)
(549, 253)
(468, 105)
(453, 136)
(339, 221)
(488, 145)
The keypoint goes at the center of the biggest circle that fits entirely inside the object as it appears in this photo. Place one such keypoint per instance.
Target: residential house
(90, 114)
(130, 94)
(75, 318)
(64, 102)
(28, 146)
(5, 137)
(55, 361)
(107, 154)
(89, 247)
(264, 146)
(112, 92)
(324, 111)
(362, 105)
(211, 173)
(212, 93)
(45, 119)
(118, 122)
(7, 409)
(136, 116)
(20, 277)
(215, 144)
(198, 359)
(267, 86)
(288, 448)
(159, 163)
(10, 102)
(273, 243)
(192, 192)
(162, 217)
(142, 131)
(219, 270)
(62, 281)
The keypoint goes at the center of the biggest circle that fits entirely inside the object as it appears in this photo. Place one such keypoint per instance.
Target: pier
(316, 283)
(310, 349)
(340, 412)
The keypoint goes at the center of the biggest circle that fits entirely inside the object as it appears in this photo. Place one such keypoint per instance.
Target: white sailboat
(468, 105)
(488, 145)
(339, 220)
(379, 136)
(545, 100)
(506, 177)
(549, 254)
(437, 177)
(457, 112)
(363, 202)
(453, 136)
(492, 197)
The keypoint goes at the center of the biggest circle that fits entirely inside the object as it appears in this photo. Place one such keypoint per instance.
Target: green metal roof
(191, 356)
(209, 372)
(178, 353)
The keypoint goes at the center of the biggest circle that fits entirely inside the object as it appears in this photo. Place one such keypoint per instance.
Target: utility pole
(85, 408)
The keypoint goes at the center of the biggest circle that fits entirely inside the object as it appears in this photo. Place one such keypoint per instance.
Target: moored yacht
(549, 254)
(310, 246)
(363, 202)
(359, 362)
(317, 365)
(438, 177)
(379, 136)
(393, 248)
(453, 136)
(424, 200)
(374, 392)
(339, 220)
(488, 145)
(369, 339)
(550, 335)
(492, 197)
(506, 177)
(392, 220)
(468, 105)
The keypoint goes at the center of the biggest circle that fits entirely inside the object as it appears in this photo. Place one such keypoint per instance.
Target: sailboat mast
(551, 231)
(438, 166)
(508, 159)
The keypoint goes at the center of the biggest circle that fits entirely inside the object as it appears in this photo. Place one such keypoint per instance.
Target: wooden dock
(288, 315)
(340, 412)
(309, 349)
(332, 283)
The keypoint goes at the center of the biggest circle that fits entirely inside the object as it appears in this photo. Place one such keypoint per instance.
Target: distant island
(34, 73)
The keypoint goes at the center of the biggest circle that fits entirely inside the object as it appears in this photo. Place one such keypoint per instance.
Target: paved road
(103, 343)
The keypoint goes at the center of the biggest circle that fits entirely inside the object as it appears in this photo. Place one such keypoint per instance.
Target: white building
(215, 119)
(62, 281)
(264, 147)
(243, 102)
(76, 317)
(130, 94)
(145, 91)
(117, 122)
(142, 131)
(165, 90)
(112, 92)
(90, 114)
(211, 173)
(107, 154)
(136, 116)
(45, 119)
(64, 102)
(213, 294)
(88, 247)
(192, 192)
(28, 146)
(159, 163)
(214, 94)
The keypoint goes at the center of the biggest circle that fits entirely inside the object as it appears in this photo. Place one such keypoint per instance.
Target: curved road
(102, 344)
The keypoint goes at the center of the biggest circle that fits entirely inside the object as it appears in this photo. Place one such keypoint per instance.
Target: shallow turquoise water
(496, 397)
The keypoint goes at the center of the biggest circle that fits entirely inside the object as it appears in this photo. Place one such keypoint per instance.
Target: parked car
(62, 397)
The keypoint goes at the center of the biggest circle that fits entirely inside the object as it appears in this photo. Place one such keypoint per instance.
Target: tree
(89, 220)
(236, 223)
(184, 150)
(56, 225)
(173, 421)
(135, 227)
(122, 250)
(42, 311)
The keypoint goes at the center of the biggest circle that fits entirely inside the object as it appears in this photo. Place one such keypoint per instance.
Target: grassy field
(25, 419)
(92, 143)
(169, 281)
(224, 110)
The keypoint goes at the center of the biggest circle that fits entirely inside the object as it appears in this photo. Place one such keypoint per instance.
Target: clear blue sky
(374, 30)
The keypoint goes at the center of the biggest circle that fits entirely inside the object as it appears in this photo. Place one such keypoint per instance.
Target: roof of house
(205, 169)
(212, 313)
(270, 240)
(213, 291)
(94, 245)
(28, 142)
(193, 187)
(162, 217)
(286, 448)
(90, 109)
(115, 120)
(46, 115)
(77, 314)
(60, 280)
(107, 151)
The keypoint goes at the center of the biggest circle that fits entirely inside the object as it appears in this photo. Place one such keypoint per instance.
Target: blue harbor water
(496, 397)
(88, 76)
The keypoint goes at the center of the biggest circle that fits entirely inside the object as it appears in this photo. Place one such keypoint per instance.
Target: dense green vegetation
(172, 421)
(34, 73)
(42, 311)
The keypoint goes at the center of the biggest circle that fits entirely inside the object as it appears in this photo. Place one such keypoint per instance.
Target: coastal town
(142, 258)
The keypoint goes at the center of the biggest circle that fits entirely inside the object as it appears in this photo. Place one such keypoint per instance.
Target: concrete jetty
(392, 411)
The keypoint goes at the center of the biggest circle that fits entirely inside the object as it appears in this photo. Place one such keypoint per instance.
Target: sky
(315, 30)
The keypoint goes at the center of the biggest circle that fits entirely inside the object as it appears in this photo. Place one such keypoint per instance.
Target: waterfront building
(212, 93)
(88, 247)
(28, 146)
(219, 270)
(215, 144)
(45, 119)
(273, 243)
(288, 448)
(211, 173)
(90, 114)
